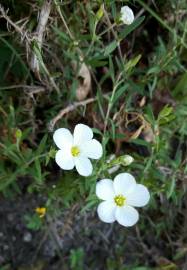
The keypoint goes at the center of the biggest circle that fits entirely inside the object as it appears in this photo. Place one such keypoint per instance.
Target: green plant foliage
(136, 105)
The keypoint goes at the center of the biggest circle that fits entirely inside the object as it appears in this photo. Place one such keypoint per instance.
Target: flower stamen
(75, 151)
(119, 200)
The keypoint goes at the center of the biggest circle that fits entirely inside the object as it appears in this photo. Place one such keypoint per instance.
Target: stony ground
(93, 243)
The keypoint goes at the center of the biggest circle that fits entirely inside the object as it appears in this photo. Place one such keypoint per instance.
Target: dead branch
(71, 108)
(38, 36)
(68, 109)
(14, 25)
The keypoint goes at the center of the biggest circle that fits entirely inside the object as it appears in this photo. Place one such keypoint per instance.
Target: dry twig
(38, 37)
(68, 109)
(14, 25)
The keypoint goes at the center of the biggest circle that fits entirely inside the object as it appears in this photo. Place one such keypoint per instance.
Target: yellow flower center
(120, 200)
(75, 151)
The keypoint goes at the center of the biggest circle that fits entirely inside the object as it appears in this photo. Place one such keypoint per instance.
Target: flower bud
(113, 169)
(18, 134)
(127, 160)
(127, 15)
(100, 13)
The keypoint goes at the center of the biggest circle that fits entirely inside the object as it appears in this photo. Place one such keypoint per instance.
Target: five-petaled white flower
(127, 15)
(120, 197)
(75, 150)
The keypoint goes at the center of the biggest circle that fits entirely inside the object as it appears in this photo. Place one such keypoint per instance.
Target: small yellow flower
(41, 211)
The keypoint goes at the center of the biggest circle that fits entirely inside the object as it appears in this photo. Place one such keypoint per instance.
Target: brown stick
(43, 18)
(68, 109)
(14, 25)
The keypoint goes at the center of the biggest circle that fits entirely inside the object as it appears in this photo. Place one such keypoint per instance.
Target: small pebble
(10, 217)
(5, 247)
(13, 238)
(2, 260)
(27, 237)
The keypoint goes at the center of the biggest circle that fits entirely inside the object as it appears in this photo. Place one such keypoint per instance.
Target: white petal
(92, 149)
(139, 196)
(105, 189)
(83, 166)
(124, 183)
(62, 137)
(82, 133)
(64, 160)
(106, 211)
(126, 216)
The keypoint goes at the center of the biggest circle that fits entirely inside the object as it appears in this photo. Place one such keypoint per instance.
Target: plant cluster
(120, 68)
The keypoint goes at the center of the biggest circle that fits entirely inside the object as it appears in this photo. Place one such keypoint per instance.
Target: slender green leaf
(128, 29)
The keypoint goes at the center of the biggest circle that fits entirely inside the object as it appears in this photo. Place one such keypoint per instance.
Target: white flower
(120, 197)
(127, 15)
(75, 150)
